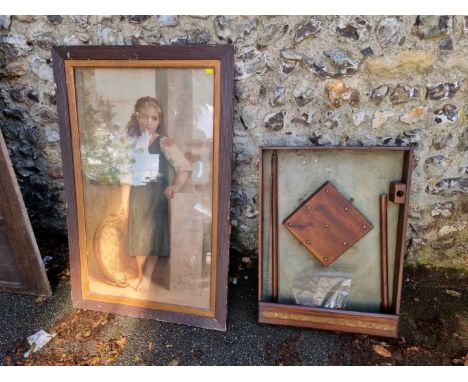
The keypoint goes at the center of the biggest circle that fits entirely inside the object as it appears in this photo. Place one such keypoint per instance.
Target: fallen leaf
(113, 357)
(86, 333)
(99, 346)
(150, 346)
(380, 350)
(73, 319)
(57, 341)
(174, 362)
(137, 358)
(413, 349)
(453, 293)
(169, 345)
(93, 361)
(121, 341)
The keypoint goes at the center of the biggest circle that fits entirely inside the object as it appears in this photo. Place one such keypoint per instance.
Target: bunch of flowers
(105, 147)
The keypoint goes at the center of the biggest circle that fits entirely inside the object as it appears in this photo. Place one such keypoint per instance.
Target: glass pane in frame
(146, 140)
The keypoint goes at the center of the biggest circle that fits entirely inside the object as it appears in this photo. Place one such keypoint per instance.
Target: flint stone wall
(300, 80)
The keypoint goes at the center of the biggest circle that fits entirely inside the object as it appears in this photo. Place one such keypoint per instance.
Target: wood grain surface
(327, 224)
(329, 319)
(26, 272)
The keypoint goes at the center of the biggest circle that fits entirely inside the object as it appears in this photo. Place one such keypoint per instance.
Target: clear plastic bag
(324, 289)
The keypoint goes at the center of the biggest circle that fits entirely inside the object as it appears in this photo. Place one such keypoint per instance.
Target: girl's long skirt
(148, 220)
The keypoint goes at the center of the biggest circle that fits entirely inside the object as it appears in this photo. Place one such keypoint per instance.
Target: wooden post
(274, 223)
(384, 251)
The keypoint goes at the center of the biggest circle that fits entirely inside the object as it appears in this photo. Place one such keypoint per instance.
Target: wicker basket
(111, 251)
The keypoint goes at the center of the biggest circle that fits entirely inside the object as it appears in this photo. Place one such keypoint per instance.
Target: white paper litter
(37, 341)
(47, 259)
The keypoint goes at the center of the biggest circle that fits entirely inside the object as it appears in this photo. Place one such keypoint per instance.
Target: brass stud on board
(326, 225)
(346, 209)
(364, 226)
(325, 259)
(345, 243)
(308, 242)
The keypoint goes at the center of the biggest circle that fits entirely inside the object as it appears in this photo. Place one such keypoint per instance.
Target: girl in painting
(146, 189)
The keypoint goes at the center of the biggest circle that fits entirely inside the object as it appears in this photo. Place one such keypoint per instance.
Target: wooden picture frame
(22, 270)
(381, 320)
(97, 86)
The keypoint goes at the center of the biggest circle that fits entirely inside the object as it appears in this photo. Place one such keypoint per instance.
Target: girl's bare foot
(144, 285)
(135, 283)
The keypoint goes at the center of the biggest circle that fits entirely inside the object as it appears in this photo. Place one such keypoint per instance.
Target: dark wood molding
(68, 172)
(147, 52)
(331, 148)
(408, 165)
(329, 319)
(260, 226)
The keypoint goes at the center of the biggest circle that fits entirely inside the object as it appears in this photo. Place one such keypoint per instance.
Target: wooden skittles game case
(332, 230)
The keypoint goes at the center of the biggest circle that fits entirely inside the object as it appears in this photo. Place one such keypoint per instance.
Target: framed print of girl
(146, 189)
(146, 136)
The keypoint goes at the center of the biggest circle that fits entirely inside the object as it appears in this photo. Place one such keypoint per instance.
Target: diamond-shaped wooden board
(327, 224)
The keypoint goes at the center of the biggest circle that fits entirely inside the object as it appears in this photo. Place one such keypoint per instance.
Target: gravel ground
(434, 331)
(244, 343)
(21, 316)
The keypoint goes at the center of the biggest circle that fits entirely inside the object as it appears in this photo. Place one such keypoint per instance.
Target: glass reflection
(147, 176)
